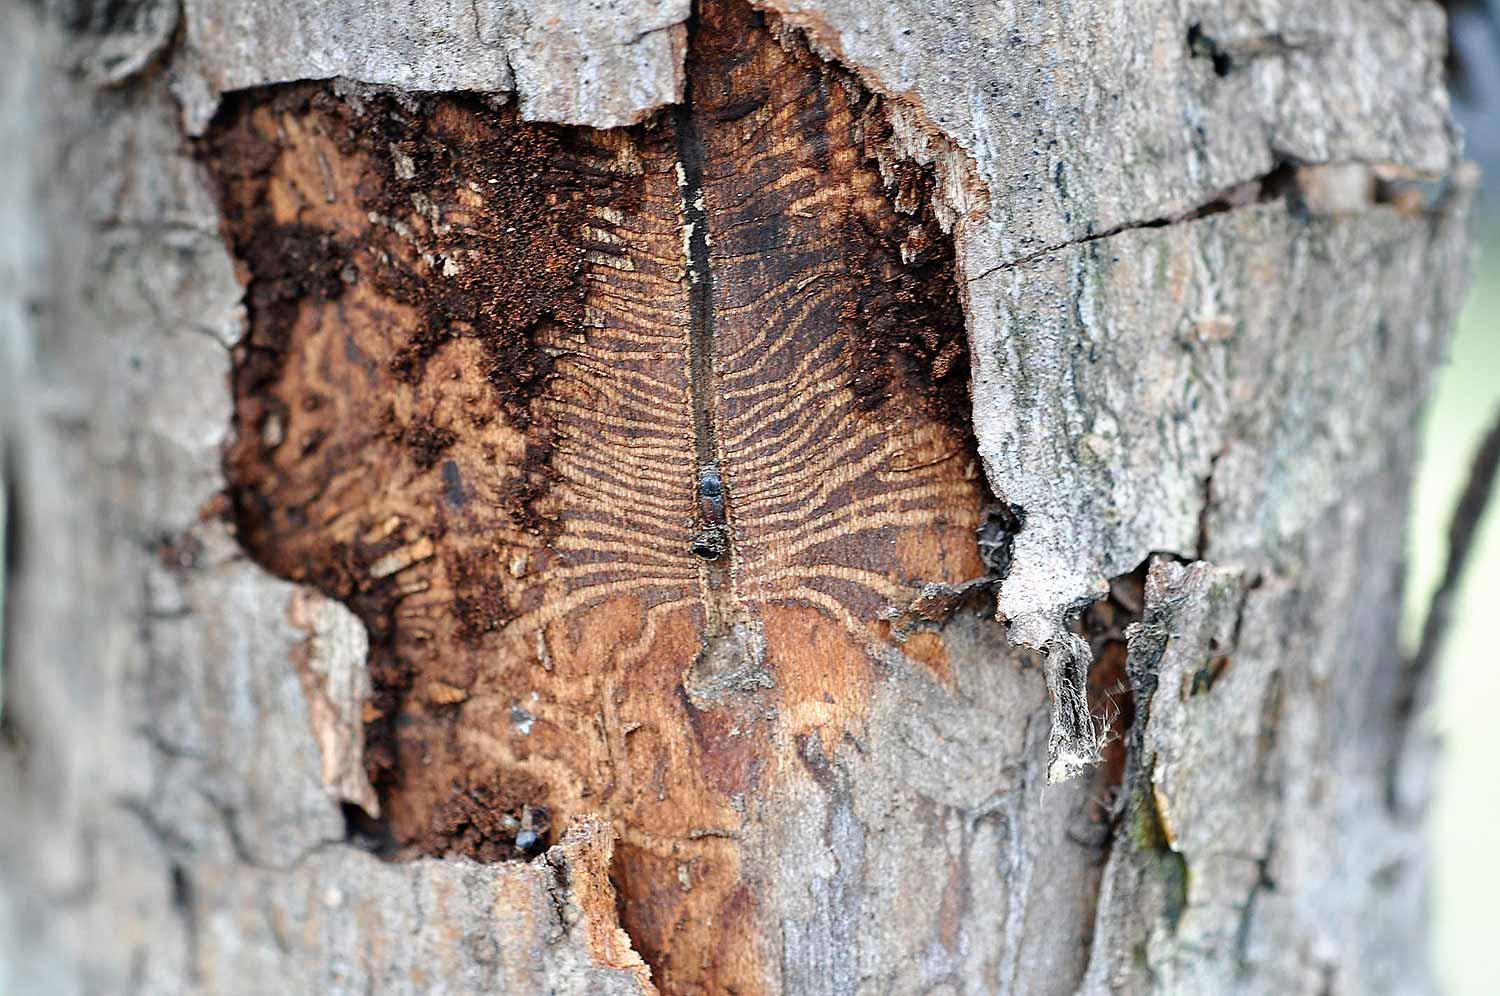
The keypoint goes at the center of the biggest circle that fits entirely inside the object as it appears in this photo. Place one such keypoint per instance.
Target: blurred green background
(1465, 830)
(1466, 820)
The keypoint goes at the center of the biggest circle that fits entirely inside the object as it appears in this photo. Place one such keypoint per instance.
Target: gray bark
(1165, 360)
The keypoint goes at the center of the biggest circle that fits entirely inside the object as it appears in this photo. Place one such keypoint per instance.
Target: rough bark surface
(536, 538)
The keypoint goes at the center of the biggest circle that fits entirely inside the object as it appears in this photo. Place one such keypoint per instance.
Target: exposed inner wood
(626, 446)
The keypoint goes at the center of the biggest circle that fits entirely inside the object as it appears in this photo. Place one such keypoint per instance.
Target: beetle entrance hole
(709, 544)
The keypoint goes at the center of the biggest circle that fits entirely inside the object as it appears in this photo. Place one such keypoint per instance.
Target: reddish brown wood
(496, 374)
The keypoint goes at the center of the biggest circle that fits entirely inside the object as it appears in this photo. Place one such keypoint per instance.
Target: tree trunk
(559, 497)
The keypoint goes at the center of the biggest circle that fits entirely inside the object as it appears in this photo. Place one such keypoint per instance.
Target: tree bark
(554, 497)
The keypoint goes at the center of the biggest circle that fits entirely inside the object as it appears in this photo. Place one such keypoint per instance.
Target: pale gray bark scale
(602, 64)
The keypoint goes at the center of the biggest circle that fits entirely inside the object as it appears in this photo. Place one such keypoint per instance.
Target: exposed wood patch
(624, 444)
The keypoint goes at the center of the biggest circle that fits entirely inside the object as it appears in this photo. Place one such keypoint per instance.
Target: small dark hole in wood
(365, 831)
(1202, 46)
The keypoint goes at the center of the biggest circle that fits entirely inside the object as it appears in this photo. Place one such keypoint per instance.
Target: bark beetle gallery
(624, 445)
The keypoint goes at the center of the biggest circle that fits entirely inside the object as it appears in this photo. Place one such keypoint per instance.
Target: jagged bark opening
(510, 389)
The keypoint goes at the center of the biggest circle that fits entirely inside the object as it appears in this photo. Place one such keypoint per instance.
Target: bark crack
(1305, 187)
(1267, 187)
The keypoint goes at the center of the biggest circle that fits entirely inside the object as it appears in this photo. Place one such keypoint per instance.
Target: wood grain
(626, 445)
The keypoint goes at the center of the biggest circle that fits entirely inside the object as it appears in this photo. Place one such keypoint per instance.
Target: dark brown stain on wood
(499, 380)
